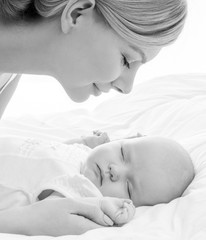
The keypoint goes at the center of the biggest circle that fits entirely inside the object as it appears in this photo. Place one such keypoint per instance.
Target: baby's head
(148, 170)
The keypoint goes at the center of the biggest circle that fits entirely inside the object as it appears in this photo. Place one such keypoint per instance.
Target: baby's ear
(73, 11)
(140, 135)
(136, 136)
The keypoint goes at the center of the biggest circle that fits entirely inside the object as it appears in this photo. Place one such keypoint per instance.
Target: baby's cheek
(111, 189)
(88, 173)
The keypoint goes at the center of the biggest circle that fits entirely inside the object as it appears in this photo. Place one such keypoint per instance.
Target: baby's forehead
(146, 141)
(151, 149)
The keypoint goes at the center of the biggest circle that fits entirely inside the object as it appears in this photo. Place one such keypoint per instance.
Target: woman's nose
(123, 85)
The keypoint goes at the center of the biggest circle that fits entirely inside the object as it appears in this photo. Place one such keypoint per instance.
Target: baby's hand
(120, 211)
(96, 139)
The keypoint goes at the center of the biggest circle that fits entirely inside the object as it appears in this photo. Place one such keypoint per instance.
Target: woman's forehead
(147, 54)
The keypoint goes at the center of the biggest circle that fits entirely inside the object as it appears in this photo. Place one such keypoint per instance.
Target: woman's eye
(125, 61)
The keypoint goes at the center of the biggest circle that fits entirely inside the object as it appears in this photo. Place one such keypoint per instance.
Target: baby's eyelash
(122, 153)
(128, 190)
(125, 61)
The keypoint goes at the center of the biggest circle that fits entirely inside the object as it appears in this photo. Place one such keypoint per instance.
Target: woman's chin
(79, 95)
(79, 98)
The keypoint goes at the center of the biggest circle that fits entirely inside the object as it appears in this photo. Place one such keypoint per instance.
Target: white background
(37, 95)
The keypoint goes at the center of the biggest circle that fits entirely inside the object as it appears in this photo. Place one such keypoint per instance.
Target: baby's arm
(96, 139)
(91, 141)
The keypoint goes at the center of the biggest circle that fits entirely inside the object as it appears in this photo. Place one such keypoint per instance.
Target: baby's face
(144, 169)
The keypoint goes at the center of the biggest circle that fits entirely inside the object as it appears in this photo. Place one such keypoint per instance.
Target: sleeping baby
(119, 175)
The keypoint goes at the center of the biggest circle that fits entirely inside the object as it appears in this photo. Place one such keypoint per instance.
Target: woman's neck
(25, 48)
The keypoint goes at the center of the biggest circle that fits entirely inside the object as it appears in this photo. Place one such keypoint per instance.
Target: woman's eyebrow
(141, 53)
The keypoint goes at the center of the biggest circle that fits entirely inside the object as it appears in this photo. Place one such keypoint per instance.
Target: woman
(88, 46)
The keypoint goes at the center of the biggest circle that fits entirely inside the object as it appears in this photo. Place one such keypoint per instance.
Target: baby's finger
(121, 216)
(130, 209)
(97, 132)
(105, 137)
(108, 220)
(129, 201)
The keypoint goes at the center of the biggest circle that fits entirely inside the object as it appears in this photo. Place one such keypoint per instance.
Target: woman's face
(96, 60)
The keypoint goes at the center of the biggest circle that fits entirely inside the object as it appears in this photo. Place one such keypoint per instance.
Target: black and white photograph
(102, 119)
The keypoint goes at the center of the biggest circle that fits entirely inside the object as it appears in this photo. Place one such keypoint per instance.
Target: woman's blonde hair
(140, 22)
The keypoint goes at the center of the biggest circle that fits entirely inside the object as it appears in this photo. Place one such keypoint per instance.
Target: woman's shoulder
(5, 79)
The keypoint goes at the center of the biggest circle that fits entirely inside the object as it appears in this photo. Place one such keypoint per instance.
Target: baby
(147, 170)
(140, 171)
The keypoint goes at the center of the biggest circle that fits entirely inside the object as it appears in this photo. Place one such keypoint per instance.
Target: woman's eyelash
(125, 61)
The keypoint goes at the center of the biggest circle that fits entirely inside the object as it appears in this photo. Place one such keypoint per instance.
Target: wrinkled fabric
(30, 166)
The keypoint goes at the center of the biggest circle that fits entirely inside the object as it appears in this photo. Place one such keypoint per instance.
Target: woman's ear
(72, 11)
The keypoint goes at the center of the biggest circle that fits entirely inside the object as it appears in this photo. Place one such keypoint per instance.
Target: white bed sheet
(173, 106)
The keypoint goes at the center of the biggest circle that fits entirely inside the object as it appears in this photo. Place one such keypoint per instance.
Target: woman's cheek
(108, 71)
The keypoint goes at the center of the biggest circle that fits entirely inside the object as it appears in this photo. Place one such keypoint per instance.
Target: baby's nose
(114, 177)
(113, 174)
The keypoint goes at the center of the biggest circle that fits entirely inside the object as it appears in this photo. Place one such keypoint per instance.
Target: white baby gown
(29, 166)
